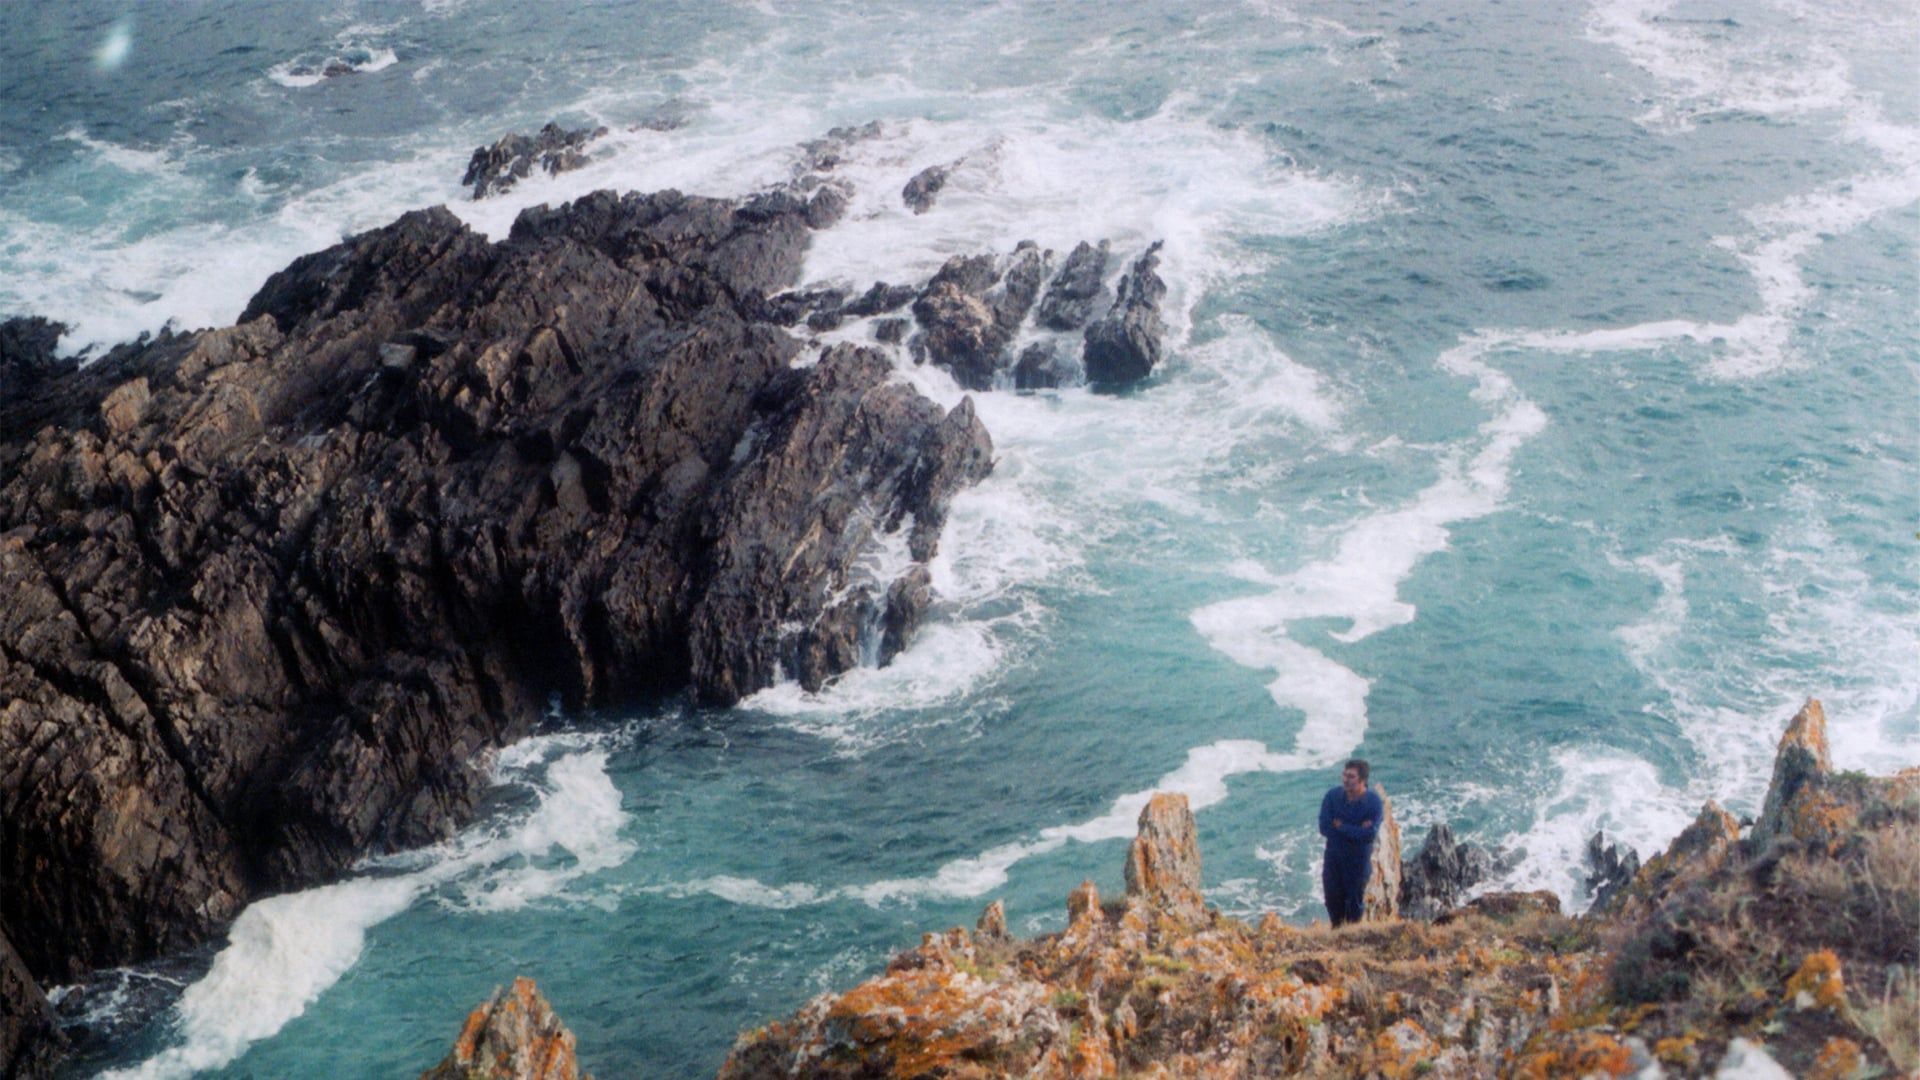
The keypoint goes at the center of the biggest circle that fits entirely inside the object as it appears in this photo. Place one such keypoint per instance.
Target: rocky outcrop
(514, 1036)
(1803, 762)
(272, 589)
(1158, 985)
(1163, 862)
(1439, 876)
(1384, 878)
(1610, 870)
(1797, 953)
(554, 150)
(1128, 341)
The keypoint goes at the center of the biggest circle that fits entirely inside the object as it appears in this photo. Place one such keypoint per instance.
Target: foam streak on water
(283, 952)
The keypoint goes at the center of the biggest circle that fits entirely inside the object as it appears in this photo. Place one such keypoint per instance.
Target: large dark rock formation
(271, 589)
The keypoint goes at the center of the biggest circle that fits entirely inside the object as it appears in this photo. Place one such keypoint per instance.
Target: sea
(1539, 421)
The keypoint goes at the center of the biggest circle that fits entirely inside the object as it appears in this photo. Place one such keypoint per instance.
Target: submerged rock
(273, 589)
(514, 1036)
(1125, 345)
(925, 187)
(554, 150)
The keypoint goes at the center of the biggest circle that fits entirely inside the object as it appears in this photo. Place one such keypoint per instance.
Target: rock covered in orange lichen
(1803, 759)
(1818, 984)
(1687, 976)
(1163, 863)
(514, 1036)
(1159, 986)
(1700, 849)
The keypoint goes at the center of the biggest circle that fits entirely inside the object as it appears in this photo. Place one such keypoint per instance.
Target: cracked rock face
(272, 589)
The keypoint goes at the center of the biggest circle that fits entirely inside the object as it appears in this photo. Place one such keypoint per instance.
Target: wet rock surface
(925, 187)
(273, 588)
(1075, 291)
(1129, 340)
(553, 150)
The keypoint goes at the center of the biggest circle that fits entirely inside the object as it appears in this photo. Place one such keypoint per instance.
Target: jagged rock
(1610, 869)
(1384, 878)
(1083, 901)
(1126, 343)
(1018, 287)
(267, 614)
(925, 187)
(993, 921)
(890, 331)
(1700, 849)
(1163, 863)
(958, 328)
(30, 1038)
(1075, 291)
(1439, 876)
(497, 168)
(969, 313)
(1801, 761)
(514, 1036)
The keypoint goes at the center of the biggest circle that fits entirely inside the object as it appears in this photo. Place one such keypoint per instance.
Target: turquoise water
(1539, 423)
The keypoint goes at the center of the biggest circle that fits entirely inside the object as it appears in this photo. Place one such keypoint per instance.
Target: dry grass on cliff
(1739, 951)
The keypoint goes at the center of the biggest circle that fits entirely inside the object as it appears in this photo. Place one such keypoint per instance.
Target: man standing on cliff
(1349, 818)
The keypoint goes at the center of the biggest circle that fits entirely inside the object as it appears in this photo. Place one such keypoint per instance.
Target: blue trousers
(1343, 877)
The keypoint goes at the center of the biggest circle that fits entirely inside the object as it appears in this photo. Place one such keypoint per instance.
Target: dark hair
(1358, 765)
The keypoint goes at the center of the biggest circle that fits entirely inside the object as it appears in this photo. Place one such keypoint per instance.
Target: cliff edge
(1794, 947)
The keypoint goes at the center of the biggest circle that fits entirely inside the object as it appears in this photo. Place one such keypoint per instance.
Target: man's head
(1353, 778)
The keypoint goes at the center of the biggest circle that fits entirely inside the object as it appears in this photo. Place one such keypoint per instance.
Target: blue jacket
(1350, 839)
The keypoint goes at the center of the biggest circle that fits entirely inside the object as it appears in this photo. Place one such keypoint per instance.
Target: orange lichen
(1838, 1059)
(1678, 1050)
(1585, 1054)
(1818, 983)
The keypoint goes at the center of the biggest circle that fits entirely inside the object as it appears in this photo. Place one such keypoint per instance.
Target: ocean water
(1539, 422)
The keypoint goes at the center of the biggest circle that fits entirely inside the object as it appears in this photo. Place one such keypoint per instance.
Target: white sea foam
(1799, 76)
(1599, 789)
(1360, 581)
(283, 952)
